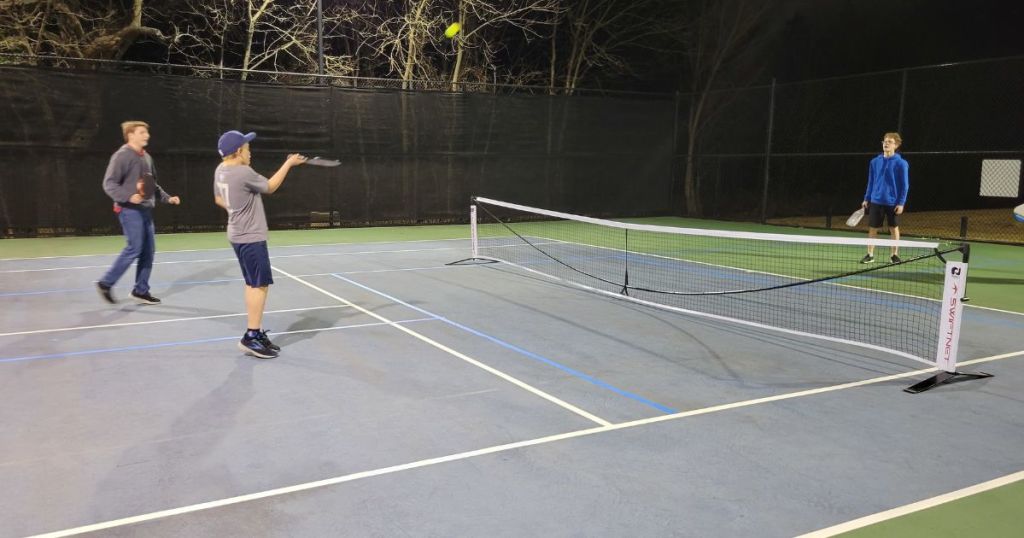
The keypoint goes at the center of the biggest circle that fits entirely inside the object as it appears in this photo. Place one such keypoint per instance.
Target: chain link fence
(410, 156)
(792, 154)
(797, 153)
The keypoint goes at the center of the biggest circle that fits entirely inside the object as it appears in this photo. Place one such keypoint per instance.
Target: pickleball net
(812, 286)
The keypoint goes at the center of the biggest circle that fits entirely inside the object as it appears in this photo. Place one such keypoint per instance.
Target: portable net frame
(813, 286)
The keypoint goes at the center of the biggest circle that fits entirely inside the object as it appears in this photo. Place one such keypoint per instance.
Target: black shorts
(255, 262)
(877, 213)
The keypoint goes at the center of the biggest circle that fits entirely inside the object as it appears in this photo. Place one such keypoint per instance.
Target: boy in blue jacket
(888, 183)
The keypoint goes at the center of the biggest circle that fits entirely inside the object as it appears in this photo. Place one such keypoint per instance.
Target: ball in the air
(453, 29)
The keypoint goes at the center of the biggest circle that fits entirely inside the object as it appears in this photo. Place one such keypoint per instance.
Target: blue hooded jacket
(888, 181)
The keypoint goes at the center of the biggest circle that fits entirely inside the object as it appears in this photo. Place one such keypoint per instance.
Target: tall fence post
(677, 196)
(320, 41)
(903, 96)
(768, 153)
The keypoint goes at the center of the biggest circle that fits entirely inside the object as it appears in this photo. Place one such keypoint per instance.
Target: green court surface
(992, 514)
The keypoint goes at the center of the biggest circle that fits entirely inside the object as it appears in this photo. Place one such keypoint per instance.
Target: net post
(952, 307)
(625, 276)
(472, 229)
(473, 239)
(965, 251)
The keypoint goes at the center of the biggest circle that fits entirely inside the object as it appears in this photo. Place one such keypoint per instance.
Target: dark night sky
(809, 39)
(822, 38)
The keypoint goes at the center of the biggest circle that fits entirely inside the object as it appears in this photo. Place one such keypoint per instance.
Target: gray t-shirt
(240, 187)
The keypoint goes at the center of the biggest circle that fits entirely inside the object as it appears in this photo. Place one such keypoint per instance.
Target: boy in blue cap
(238, 189)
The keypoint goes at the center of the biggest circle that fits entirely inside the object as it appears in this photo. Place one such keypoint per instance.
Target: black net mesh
(813, 286)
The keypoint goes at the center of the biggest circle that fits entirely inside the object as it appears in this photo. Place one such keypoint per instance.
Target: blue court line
(116, 349)
(172, 344)
(517, 349)
(158, 285)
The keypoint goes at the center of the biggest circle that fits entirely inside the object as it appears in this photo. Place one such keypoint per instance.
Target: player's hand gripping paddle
(320, 161)
(146, 185)
(854, 219)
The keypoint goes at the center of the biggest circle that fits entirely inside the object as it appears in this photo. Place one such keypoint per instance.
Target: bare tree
(73, 28)
(722, 35)
(269, 35)
(397, 36)
(599, 32)
(486, 25)
(409, 43)
(401, 40)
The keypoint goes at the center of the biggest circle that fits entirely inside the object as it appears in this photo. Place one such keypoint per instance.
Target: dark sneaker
(256, 348)
(265, 340)
(145, 298)
(867, 259)
(895, 259)
(105, 293)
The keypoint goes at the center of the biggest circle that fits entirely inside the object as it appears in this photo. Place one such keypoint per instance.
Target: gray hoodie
(125, 169)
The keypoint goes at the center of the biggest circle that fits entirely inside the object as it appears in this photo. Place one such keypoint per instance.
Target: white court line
(489, 450)
(171, 284)
(915, 507)
(152, 321)
(14, 360)
(707, 315)
(740, 269)
(227, 248)
(212, 260)
(450, 351)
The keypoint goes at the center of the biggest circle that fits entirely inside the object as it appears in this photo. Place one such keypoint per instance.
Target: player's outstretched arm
(277, 179)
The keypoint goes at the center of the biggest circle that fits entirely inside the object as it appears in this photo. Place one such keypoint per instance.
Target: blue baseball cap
(232, 140)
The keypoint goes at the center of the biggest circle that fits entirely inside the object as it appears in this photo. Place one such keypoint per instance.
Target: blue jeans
(138, 230)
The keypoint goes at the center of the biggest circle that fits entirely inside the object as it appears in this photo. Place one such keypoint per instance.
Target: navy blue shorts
(255, 262)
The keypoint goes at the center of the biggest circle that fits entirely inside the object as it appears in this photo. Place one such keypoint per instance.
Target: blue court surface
(417, 398)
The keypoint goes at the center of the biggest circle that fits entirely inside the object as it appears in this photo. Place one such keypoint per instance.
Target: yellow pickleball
(452, 30)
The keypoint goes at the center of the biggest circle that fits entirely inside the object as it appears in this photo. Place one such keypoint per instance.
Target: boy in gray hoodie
(129, 169)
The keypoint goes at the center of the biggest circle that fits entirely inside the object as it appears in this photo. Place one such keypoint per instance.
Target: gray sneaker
(895, 258)
(867, 259)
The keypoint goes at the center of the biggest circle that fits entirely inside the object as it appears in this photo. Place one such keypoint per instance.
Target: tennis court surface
(414, 397)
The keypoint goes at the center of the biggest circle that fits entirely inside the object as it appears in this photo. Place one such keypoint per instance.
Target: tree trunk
(411, 49)
(457, 70)
(690, 191)
(554, 57)
(253, 20)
